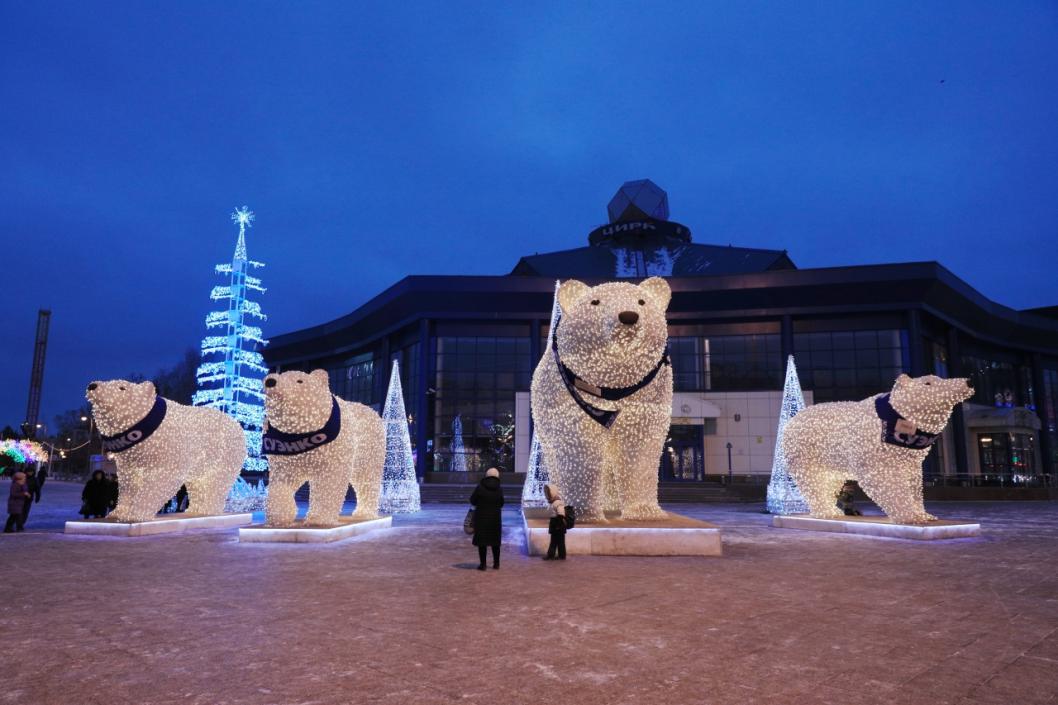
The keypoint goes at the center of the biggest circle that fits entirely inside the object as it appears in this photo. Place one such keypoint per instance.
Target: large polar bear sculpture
(312, 436)
(880, 442)
(602, 397)
(159, 445)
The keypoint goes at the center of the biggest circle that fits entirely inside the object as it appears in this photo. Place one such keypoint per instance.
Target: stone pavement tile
(1026, 680)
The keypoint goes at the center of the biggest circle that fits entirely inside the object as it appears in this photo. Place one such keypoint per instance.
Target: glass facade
(726, 363)
(355, 379)
(476, 379)
(1050, 402)
(999, 382)
(850, 365)
(1007, 454)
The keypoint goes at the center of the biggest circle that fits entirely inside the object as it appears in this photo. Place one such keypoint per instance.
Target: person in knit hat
(556, 526)
(488, 517)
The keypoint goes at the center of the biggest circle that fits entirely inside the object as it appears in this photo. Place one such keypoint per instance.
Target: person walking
(556, 526)
(42, 475)
(488, 522)
(34, 491)
(16, 503)
(95, 497)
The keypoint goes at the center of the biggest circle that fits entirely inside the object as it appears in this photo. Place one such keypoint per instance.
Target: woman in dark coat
(96, 496)
(488, 525)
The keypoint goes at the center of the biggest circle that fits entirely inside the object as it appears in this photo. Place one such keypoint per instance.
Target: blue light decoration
(783, 495)
(400, 487)
(231, 378)
(536, 475)
(459, 452)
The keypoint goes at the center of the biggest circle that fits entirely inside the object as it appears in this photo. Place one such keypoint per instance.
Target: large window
(355, 380)
(999, 382)
(726, 363)
(850, 365)
(476, 381)
(1050, 402)
(1009, 454)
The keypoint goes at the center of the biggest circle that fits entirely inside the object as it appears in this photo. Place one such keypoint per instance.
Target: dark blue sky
(375, 141)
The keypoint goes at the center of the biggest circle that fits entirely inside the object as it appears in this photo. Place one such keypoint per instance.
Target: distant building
(467, 346)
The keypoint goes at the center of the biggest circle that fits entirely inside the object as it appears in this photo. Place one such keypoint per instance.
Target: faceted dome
(636, 200)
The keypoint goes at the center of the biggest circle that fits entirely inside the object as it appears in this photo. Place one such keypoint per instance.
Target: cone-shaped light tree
(536, 475)
(459, 451)
(783, 495)
(231, 377)
(400, 487)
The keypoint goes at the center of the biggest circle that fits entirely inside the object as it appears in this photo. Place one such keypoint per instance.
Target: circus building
(467, 345)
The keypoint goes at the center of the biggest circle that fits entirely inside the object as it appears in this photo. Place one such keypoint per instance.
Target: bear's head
(117, 405)
(297, 402)
(929, 400)
(614, 334)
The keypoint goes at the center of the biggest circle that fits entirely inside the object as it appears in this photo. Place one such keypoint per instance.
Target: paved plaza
(402, 616)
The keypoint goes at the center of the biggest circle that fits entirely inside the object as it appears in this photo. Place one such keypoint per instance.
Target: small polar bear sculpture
(880, 442)
(159, 445)
(602, 397)
(312, 436)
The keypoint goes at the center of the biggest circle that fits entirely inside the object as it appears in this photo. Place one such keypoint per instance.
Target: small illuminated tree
(783, 495)
(231, 378)
(536, 475)
(400, 487)
(459, 451)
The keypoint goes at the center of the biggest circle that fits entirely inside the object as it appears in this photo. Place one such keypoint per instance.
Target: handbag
(468, 523)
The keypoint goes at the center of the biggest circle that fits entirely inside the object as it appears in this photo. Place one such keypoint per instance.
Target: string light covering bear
(159, 445)
(880, 442)
(602, 400)
(312, 436)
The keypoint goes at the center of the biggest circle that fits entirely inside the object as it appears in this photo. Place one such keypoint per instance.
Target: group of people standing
(487, 500)
(25, 490)
(99, 496)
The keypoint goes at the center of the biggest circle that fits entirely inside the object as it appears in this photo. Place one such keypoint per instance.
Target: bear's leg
(638, 438)
(900, 499)
(367, 475)
(208, 490)
(820, 489)
(326, 496)
(281, 509)
(143, 491)
(576, 463)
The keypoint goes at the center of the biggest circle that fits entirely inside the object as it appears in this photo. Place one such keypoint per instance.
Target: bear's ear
(570, 292)
(901, 381)
(659, 290)
(321, 377)
(149, 386)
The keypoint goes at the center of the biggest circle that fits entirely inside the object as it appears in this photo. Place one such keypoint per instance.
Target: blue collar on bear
(898, 431)
(574, 383)
(139, 432)
(275, 442)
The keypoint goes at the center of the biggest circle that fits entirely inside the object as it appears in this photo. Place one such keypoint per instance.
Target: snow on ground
(400, 616)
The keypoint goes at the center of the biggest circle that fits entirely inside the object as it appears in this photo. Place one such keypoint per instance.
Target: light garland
(300, 403)
(400, 488)
(827, 444)
(246, 497)
(200, 448)
(783, 495)
(536, 475)
(23, 451)
(459, 451)
(232, 381)
(611, 336)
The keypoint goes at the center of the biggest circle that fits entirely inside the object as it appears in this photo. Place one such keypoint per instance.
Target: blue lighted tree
(231, 378)
(783, 495)
(536, 475)
(459, 452)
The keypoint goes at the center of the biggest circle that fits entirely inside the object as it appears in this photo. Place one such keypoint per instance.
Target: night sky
(377, 141)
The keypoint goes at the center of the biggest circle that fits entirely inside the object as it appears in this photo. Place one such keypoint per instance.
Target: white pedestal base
(881, 526)
(161, 524)
(675, 535)
(313, 534)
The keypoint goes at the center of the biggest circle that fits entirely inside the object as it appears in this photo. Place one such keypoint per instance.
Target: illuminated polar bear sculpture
(879, 442)
(312, 436)
(602, 397)
(159, 445)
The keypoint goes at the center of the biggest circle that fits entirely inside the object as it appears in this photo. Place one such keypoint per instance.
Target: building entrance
(682, 459)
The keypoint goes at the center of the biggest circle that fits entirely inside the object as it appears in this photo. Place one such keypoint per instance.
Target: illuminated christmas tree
(536, 475)
(400, 487)
(459, 453)
(783, 495)
(231, 378)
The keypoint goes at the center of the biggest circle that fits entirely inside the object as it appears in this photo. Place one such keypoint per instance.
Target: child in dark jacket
(16, 503)
(556, 526)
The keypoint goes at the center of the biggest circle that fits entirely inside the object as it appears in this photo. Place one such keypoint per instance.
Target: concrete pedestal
(881, 526)
(675, 535)
(161, 524)
(299, 533)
